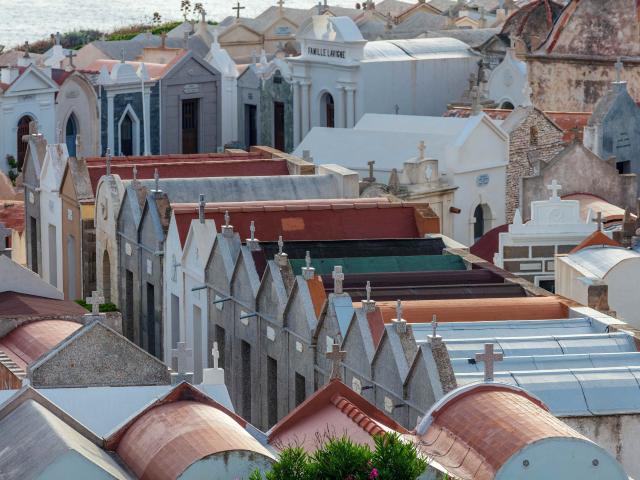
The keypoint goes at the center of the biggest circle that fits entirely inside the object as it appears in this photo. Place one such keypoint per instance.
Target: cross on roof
(434, 326)
(26, 48)
(163, 39)
(156, 179)
(280, 244)
(421, 148)
(203, 15)
(338, 277)
(336, 356)
(555, 187)
(307, 259)
(368, 290)
(122, 55)
(488, 357)
(280, 3)
(4, 233)
(227, 218)
(398, 309)
(58, 38)
(598, 220)
(95, 300)
(215, 353)
(252, 230)
(108, 155)
(183, 354)
(371, 163)
(237, 8)
(135, 172)
(70, 54)
(619, 65)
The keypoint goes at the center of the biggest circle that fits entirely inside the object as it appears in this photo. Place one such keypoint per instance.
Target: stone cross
(26, 48)
(280, 3)
(338, 278)
(183, 354)
(421, 149)
(227, 218)
(156, 179)
(619, 65)
(215, 353)
(252, 231)
(58, 38)
(163, 40)
(368, 290)
(434, 326)
(122, 55)
(598, 220)
(371, 163)
(554, 188)
(280, 244)
(203, 15)
(108, 154)
(237, 8)
(70, 54)
(4, 233)
(336, 356)
(307, 259)
(95, 300)
(488, 357)
(398, 309)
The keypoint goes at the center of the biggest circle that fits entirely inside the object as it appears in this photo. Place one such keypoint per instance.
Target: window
(71, 131)
(300, 389)
(245, 354)
(327, 110)
(126, 136)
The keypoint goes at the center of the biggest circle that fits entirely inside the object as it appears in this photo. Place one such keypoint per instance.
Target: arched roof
(167, 439)
(600, 261)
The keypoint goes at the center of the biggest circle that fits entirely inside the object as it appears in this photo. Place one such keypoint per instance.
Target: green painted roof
(410, 263)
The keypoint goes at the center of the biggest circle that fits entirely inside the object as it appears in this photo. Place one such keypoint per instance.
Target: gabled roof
(596, 239)
(178, 430)
(17, 304)
(37, 434)
(334, 408)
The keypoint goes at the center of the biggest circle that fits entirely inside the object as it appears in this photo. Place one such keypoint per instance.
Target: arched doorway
(106, 277)
(71, 131)
(327, 110)
(23, 129)
(126, 136)
(482, 221)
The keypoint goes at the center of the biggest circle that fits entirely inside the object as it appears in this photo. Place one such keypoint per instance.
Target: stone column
(297, 137)
(305, 109)
(351, 107)
(340, 108)
(147, 121)
(110, 135)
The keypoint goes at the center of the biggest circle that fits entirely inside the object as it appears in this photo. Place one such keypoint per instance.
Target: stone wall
(536, 139)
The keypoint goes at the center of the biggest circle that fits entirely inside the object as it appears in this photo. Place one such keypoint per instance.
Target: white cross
(280, 4)
(434, 326)
(95, 300)
(215, 353)
(555, 188)
(156, 179)
(4, 233)
(183, 354)
(108, 161)
(338, 277)
(135, 172)
(488, 357)
(307, 259)
(336, 356)
(252, 230)
(421, 149)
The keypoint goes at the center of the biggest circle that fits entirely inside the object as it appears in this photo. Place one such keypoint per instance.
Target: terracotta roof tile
(12, 215)
(596, 239)
(333, 407)
(317, 219)
(318, 294)
(476, 309)
(30, 341)
(473, 433)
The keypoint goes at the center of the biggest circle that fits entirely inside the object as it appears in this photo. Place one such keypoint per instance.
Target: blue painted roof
(574, 365)
(344, 312)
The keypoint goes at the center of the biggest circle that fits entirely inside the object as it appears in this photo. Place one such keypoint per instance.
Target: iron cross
(488, 357)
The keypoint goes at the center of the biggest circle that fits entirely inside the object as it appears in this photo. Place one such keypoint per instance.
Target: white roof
(416, 48)
(451, 126)
(599, 261)
(103, 409)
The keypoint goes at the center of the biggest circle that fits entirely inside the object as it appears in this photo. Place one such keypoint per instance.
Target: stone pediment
(281, 28)
(32, 81)
(239, 33)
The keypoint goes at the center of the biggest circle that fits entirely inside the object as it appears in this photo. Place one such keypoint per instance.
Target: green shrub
(395, 458)
(340, 458)
(104, 307)
(12, 172)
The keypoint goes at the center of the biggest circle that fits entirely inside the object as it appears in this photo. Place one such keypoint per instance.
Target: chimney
(201, 206)
(252, 242)
(308, 272)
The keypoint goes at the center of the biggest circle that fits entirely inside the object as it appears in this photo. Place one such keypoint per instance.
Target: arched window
(71, 131)
(126, 136)
(507, 106)
(482, 222)
(23, 129)
(327, 110)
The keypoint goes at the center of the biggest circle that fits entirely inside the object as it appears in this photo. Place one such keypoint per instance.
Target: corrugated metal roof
(599, 261)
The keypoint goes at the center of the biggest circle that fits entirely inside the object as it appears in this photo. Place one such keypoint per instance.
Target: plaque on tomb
(191, 88)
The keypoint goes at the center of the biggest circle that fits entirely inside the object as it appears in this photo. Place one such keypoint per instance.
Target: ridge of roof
(596, 239)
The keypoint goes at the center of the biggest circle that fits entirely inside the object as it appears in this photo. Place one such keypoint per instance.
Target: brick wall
(535, 139)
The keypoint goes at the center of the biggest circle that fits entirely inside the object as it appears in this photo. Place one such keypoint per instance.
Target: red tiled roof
(376, 325)
(476, 309)
(571, 123)
(167, 437)
(30, 341)
(155, 70)
(596, 239)
(15, 304)
(318, 294)
(334, 219)
(12, 215)
(234, 168)
(335, 407)
(477, 431)
(488, 245)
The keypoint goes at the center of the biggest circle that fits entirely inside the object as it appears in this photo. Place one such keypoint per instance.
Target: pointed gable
(596, 239)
